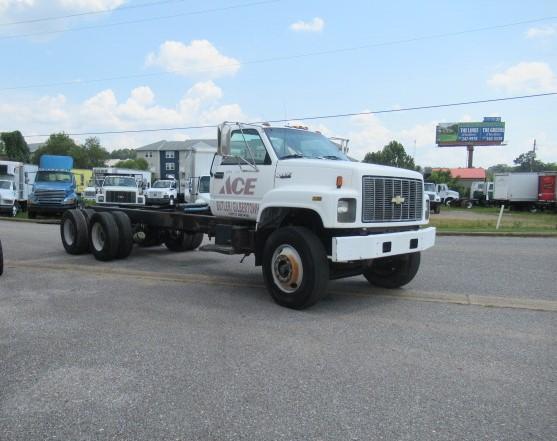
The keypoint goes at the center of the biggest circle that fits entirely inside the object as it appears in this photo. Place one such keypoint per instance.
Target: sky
(124, 65)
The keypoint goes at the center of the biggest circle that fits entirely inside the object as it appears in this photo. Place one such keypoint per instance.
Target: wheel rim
(287, 268)
(97, 236)
(69, 232)
(14, 211)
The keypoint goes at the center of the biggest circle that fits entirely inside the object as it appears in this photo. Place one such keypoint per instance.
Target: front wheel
(393, 272)
(295, 267)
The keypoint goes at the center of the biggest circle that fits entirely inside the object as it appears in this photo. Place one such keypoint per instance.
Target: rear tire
(393, 272)
(125, 232)
(104, 238)
(74, 232)
(295, 267)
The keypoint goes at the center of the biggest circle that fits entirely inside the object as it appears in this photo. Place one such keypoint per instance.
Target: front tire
(295, 267)
(393, 272)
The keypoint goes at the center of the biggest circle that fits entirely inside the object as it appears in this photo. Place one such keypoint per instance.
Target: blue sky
(207, 67)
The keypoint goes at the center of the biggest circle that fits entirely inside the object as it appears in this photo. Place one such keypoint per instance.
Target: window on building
(169, 155)
(169, 166)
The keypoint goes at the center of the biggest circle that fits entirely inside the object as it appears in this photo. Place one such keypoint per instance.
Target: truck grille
(50, 197)
(391, 199)
(120, 197)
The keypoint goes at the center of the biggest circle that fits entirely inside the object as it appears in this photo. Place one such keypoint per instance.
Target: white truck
(196, 164)
(516, 190)
(447, 196)
(16, 182)
(435, 202)
(295, 201)
(162, 192)
(122, 190)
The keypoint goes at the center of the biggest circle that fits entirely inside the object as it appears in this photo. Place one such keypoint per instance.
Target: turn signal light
(339, 181)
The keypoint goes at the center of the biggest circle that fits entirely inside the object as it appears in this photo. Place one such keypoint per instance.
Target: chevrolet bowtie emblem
(397, 200)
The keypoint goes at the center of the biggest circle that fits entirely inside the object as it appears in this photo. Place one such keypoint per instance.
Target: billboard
(489, 132)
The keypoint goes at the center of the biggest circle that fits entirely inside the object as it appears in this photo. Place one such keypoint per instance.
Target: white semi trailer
(16, 182)
(294, 200)
(518, 190)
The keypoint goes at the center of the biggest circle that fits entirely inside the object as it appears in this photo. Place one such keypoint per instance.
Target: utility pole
(533, 156)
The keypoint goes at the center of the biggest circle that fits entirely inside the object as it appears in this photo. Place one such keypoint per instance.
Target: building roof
(188, 144)
(465, 173)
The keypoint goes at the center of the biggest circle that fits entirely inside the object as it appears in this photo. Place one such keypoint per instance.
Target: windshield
(429, 187)
(5, 185)
(53, 176)
(204, 182)
(293, 143)
(162, 184)
(119, 181)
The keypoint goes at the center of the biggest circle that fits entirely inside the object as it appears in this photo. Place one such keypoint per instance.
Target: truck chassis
(295, 252)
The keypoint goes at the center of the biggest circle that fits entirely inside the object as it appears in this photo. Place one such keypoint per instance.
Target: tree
(123, 154)
(135, 164)
(15, 147)
(58, 144)
(392, 154)
(96, 154)
(528, 162)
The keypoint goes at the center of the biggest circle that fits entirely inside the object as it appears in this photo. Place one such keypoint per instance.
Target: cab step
(221, 249)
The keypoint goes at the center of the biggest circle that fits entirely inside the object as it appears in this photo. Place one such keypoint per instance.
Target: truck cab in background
(162, 192)
(16, 182)
(198, 190)
(54, 190)
(447, 196)
(435, 202)
(121, 190)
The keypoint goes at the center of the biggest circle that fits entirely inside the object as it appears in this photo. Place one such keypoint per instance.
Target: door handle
(219, 175)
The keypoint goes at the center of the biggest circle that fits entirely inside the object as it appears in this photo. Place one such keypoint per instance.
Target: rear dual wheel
(110, 235)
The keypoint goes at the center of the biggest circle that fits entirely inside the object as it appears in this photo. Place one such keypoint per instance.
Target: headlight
(101, 198)
(346, 210)
(69, 201)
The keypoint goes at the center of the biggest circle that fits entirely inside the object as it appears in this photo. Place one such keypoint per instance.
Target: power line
(312, 118)
(81, 14)
(282, 58)
(141, 20)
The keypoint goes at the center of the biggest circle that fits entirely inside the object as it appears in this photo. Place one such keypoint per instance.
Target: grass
(511, 222)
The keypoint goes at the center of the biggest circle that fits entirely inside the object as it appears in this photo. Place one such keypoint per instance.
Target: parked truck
(197, 165)
(54, 189)
(447, 196)
(547, 189)
(16, 182)
(289, 197)
(162, 192)
(516, 190)
(434, 199)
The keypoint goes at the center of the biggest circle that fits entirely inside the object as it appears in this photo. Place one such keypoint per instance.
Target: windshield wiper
(330, 157)
(293, 155)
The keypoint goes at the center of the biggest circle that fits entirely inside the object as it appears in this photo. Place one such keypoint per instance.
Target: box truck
(516, 190)
(16, 182)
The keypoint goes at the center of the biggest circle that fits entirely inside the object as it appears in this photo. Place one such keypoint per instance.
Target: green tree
(528, 162)
(392, 154)
(57, 144)
(96, 154)
(15, 147)
(123, 154)
(135, 164)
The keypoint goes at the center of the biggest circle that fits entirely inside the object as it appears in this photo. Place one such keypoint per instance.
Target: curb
(31, 221)
(494, 234)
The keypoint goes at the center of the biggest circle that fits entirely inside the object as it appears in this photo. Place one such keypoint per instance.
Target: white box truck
(516, 189)
(16, 182)
(292, 199)
(195, 171)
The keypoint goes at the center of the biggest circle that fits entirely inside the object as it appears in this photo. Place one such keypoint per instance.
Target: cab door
(244, 175)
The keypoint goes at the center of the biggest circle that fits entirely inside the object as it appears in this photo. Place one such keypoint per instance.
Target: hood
(7, 194)
(52, 185)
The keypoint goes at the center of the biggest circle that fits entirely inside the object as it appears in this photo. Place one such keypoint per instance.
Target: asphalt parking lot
(189, 346)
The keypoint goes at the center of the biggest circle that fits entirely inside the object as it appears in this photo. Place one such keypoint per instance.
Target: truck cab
(8, 198)
(54, 190)
(121, 190)
(447, 196)
(435, 202)
(162, 192)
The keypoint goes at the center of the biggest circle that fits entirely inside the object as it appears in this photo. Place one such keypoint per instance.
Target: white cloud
(368, 134)
(541, 32)
(315, 25)
(525, 77)
(199, 59)
(199, 105)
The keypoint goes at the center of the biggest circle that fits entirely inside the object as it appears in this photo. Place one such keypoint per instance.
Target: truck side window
(239, 149)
